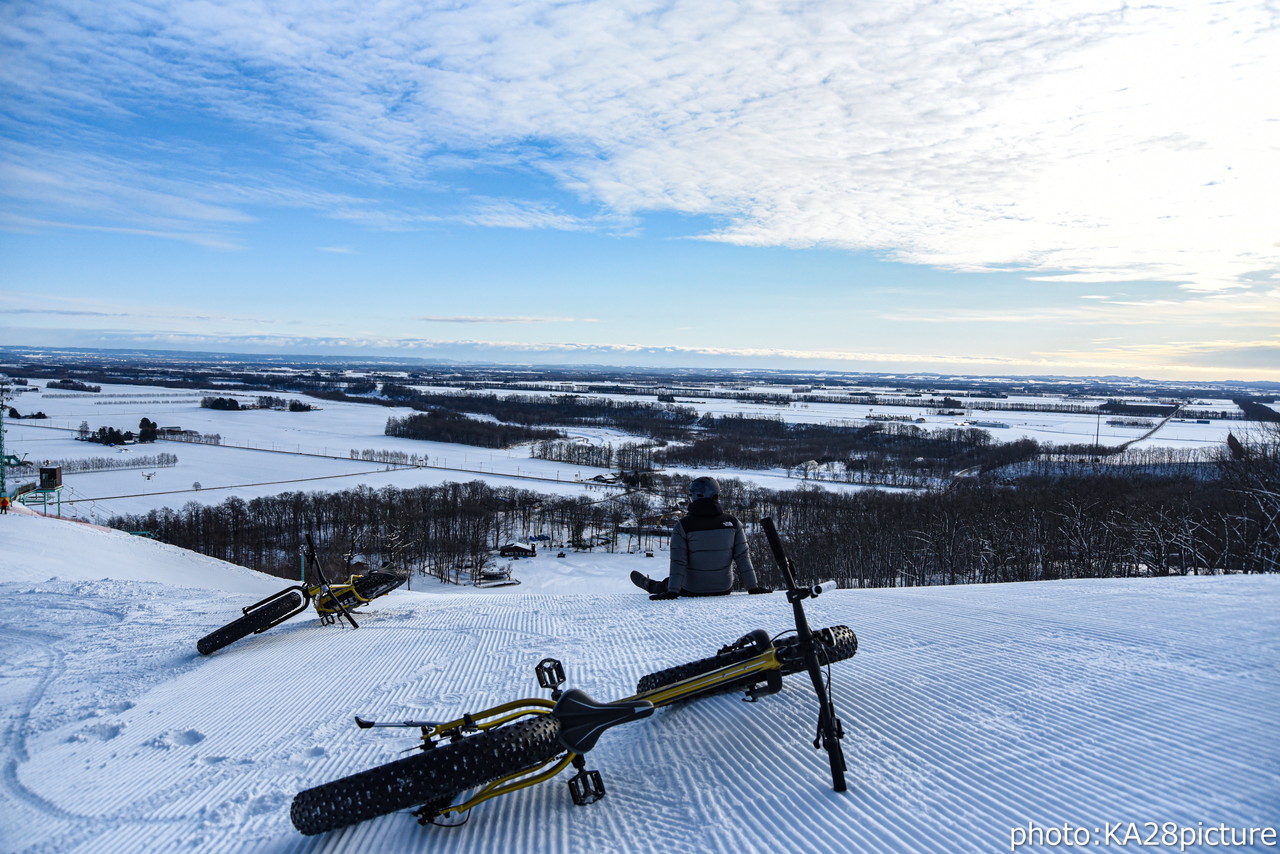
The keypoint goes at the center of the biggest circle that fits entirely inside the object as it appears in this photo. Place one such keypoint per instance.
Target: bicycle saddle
(583, 719)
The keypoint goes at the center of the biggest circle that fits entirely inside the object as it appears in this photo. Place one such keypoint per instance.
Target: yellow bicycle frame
(496, 716)
(320, 597)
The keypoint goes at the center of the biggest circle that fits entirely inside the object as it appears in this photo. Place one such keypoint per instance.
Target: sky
(1033, 187)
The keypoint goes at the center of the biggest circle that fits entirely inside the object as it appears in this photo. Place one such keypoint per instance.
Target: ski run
(978, 718)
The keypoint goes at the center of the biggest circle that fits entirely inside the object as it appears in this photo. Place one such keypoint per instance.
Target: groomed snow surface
(970, 711)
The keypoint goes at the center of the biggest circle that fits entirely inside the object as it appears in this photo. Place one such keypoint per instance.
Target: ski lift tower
(48, 492)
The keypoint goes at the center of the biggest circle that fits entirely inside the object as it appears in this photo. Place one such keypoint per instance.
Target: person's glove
(758, 590)
(670, 594)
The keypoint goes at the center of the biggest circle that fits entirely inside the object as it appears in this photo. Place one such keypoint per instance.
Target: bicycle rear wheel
(834, 644)
(437, 775)
(360, 592)
(376, 584)
(255, 620)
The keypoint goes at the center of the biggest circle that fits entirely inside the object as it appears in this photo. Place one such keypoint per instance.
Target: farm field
(265, 452)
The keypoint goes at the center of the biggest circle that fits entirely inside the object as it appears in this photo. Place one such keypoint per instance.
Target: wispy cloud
(65, 312)
(506, 213)
(1251, 308)
(181, 231)
(1079, 141)
(19, 304)
(505, 319)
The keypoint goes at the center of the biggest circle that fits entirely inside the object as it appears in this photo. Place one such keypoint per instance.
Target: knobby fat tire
(430, 776)
(834, 644)
(377, 584)
(249, 623)
(368, 587)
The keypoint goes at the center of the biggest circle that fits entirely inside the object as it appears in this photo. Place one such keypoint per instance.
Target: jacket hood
(706, 507)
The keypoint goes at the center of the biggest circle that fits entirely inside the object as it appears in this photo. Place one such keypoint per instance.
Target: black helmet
(703, 487)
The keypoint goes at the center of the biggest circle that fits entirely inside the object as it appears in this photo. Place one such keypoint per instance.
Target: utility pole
(4, 458)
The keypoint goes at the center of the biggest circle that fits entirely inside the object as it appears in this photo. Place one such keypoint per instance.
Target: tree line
(627, 456)
(442, 425)
(439, 530)
(382, 455)
(73, 385)
(148, 431)
(265, 401)
(884, 452)
(660, 421)
(87, 464)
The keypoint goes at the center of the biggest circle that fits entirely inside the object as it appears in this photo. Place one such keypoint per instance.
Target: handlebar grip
(825, 587)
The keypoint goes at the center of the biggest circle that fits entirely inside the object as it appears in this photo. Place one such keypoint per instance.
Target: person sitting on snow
(706, 546)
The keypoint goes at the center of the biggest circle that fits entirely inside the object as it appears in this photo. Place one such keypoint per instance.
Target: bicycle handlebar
(830, 730)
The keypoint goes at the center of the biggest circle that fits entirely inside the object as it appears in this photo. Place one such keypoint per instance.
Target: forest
(441, 425)
(657, 420)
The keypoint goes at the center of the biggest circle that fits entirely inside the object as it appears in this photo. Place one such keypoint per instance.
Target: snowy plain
(266, 452)
(970, 712)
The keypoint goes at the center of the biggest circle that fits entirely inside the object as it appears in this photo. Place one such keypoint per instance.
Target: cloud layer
(1079, 141)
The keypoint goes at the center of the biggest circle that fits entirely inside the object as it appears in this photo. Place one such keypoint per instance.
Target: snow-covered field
(971, 712)
(267, 452)
(1047, 427)
(264, 452)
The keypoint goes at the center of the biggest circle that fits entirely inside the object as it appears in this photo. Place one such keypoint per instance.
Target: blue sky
(1020, 188)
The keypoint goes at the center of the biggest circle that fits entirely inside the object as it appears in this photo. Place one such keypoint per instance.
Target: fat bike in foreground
(518, 744)
(332, 602)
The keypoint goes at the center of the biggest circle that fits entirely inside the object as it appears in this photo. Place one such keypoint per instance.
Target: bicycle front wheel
(437, 775)
(834, 644)
(254, 621)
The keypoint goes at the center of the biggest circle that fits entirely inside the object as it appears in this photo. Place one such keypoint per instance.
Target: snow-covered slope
(970, 712)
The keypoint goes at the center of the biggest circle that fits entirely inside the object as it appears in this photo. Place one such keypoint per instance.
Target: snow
(267, 452)
(970, 711)
(264, 452)
(1061, 428)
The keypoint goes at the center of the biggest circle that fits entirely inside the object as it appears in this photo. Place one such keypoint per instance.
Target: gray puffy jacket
(706, 546)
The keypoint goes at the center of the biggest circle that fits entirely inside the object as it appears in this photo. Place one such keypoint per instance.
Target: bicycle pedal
(550, 673)
(433, 814)
(586, 787)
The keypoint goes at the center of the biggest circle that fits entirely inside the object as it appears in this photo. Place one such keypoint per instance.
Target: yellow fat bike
(332, 602)
(471, 759)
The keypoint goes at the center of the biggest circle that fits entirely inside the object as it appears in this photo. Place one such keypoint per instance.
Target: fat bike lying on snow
(332, 602)
(518, 744)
